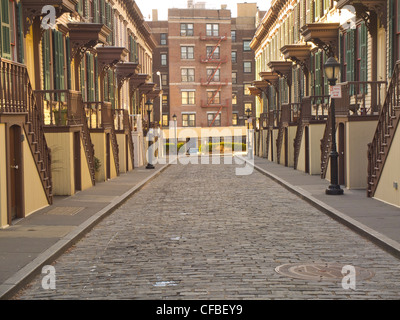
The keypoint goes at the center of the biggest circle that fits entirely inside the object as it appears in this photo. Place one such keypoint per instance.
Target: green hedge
(232, 146)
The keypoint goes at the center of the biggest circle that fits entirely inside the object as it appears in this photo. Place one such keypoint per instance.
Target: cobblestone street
(201, 232)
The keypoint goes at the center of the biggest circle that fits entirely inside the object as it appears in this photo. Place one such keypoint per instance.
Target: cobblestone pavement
(201, 232)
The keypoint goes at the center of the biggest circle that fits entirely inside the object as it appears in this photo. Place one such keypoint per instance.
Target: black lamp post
(248, 114)
(174, 117)
(332, 69)
(149, 108)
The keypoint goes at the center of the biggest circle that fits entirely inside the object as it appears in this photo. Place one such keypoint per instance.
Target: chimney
(190, 4)
(155, 14)
(223, 6)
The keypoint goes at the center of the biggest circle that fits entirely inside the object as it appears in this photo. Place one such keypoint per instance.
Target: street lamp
(332, 69)
(174, 117)
(149, 108)
(248, 114)
(159, 75)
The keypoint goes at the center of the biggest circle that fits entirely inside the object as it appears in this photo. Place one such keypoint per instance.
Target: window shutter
(318, 75)
(96, 11)
(5, 30)
(96, 83)
(68, 59)
(83, 80)
(20, 28)
(111, 87)
(312, 74)
(103, 12)
(350, 56)
(46, 59)
(90, 76)
(391, 38)
(364, 56)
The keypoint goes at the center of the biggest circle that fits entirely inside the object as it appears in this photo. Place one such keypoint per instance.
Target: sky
(146, 6)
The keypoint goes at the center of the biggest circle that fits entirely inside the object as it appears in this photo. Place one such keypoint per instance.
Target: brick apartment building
(205, 64)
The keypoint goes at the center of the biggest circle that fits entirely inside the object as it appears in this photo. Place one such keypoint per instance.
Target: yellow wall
(34, 194)
(113, 169)
(3, 176)
(358, 135)
(99, 142)
(292, 135)
(391, 173)
(316, 133)
(301, 161)
(86, 180)
(122, 155)
(62, 162)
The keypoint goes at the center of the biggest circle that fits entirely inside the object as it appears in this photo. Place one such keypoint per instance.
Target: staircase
(17, 96)
(326, 146)
(267, 144)
(388, 121)
(128, 128)
(115, 149)
(305, 117)
(279, 142)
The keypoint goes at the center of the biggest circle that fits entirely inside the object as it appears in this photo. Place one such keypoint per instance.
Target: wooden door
(77, 161)
(341, 151)
(307, 148)
(108, 157)
(15, 161)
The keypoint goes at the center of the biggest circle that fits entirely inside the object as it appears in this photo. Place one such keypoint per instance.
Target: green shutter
(5, 30)
(350, 57)
(79, 7)
(364, 55)
(58, 45)
(90, 76)
(318, 74)
(83, 81)
(46, 59)
(20, 28)
(96, 83)
(68, 59)
(96, 11)
(103, 12)
(111, 87)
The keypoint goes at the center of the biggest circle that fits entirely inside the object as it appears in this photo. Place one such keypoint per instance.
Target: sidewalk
(37, 240)
(373, 219)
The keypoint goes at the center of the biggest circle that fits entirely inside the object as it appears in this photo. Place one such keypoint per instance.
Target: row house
(291, 44)
(74, 78)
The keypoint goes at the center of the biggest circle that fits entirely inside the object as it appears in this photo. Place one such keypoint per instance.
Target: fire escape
(213, 60)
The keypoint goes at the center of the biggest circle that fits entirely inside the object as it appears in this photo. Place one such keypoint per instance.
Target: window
(215, 55)
(187, 53)
(212, 30)
(164, 79)
(188, 97)
(234, 98)
(163, 39)
(246, 89)
(188, 120)
(164, 100)
(165, 120)
(234, 77)
(163, 59)
(246, 45)
(247, 67)
(210, 118)
(248, 106)
(187, 75)
(186, 29)
(235, 119)
(233, 35)
(210, 73)
(213, 97)
(234, 56)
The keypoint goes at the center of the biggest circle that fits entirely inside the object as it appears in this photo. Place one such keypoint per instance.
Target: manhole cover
(320, 271)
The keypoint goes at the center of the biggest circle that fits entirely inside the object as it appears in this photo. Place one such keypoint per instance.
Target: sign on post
(336, 91)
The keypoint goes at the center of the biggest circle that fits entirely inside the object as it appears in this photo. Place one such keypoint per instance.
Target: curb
(16, 282)
(387, 244)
